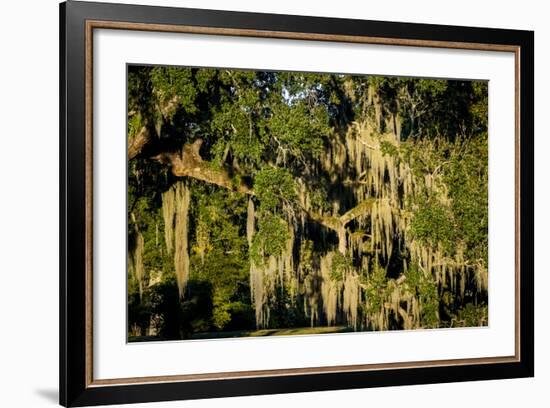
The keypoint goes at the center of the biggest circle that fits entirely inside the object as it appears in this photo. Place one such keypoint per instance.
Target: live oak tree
(264, 199)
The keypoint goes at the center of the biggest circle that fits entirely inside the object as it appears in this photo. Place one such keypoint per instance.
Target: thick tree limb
(189, 163)
(360, 209)
(136, 145)
(145, 133)
(329, 221)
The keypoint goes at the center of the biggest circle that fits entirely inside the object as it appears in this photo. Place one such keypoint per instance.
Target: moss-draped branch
(189, 163)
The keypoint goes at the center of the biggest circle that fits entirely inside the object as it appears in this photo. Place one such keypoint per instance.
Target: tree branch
(189, 163)
(145, 135)
(360, 209)
(136, 145)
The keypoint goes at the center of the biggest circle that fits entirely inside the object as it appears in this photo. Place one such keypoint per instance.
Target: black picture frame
(76, 388)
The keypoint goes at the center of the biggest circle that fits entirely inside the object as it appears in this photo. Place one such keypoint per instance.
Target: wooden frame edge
(290, 35)
(92, 24)
(232, 375)
(89, 206)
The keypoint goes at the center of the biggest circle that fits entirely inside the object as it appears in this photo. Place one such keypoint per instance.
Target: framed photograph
(256, 204)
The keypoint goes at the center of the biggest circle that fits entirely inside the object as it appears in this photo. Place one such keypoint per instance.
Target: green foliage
(176, 319)
(235, 125)
(424, 289)
(205, 79)
(170, 81)
(427, 87)
(376, 290)
(433, 223)
(389, 149)
(139, 89)
(135, 123)
(299, 128)
(479, 109)
(306, 256)
(223, 265)
(273, 184)
(340, 264)
(472, 315)
(467, 177)
(270, 238)
(319, 198)
(139, 311)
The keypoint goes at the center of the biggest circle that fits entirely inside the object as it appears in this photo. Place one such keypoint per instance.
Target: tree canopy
(260, 199)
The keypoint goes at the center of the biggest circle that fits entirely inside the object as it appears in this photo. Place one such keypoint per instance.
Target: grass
(253, 333)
